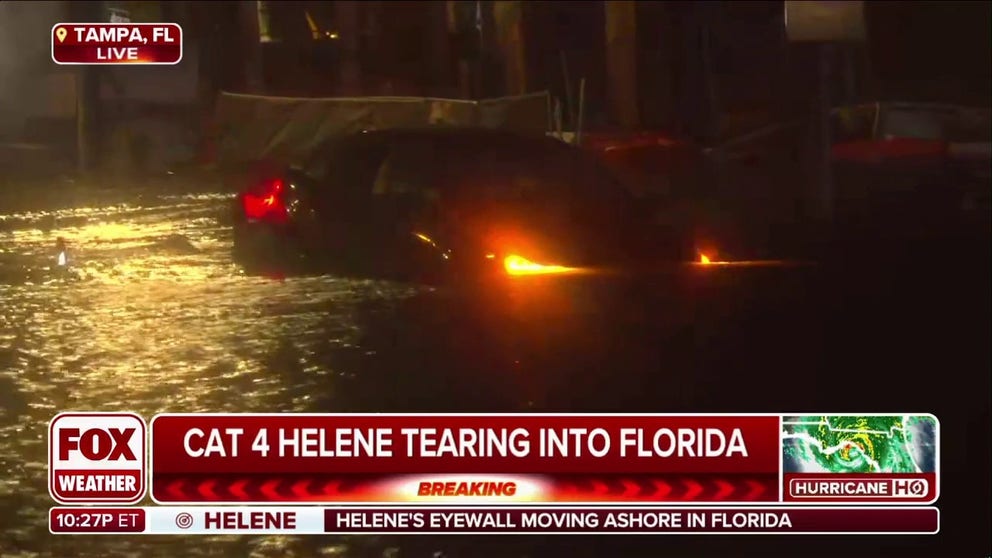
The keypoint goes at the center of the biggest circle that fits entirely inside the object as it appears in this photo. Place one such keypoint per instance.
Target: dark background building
(705, 70)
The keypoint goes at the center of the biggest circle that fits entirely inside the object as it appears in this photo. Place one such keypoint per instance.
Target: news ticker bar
(201, 520)
(494, 459)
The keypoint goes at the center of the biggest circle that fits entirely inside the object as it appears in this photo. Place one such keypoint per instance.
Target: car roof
(533, 146)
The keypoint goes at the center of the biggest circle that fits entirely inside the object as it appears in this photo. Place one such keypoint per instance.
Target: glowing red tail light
(265, 203)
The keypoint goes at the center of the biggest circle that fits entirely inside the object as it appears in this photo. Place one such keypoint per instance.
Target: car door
(404, 205)
(552, 196)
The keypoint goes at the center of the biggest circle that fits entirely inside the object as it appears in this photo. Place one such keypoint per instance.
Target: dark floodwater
(155, 318)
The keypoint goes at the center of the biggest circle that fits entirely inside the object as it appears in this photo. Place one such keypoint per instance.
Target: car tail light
(266, 202)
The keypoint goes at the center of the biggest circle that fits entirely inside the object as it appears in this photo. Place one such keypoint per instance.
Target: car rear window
(409, 169)
(352, 163)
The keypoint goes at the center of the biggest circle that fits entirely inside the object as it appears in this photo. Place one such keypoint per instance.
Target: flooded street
(153, 317)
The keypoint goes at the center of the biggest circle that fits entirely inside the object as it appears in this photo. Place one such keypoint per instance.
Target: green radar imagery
(897, 444)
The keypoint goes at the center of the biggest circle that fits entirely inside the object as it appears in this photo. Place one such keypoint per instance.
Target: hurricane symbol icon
(184, 520)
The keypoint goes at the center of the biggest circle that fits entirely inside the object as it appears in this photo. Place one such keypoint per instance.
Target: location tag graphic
(116, 43)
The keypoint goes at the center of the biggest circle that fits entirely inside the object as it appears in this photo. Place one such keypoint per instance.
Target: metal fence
(251, 127)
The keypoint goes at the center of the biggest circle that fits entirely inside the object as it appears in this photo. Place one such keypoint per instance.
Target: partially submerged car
(434, 204)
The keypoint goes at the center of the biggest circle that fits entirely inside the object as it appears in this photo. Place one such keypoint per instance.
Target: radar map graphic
(859, 444)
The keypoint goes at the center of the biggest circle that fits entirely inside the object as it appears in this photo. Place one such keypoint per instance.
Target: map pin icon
(60, 33)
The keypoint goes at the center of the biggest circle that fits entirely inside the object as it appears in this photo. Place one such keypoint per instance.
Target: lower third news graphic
(500, 473)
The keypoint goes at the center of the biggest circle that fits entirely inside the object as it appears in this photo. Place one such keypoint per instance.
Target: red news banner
(515, 459)
(116, 43)
(430, 459)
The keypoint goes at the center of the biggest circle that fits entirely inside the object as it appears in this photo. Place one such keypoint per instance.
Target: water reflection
(152, 317)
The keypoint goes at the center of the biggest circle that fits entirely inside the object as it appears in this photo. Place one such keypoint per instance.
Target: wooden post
(508, 18)
(824, 183)
(713, 120)
(252, 60)
(440, 66)
(348, 18)
(621, 61)
(85, 121)
(87, 95)
(656, 72)
(465, 45)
